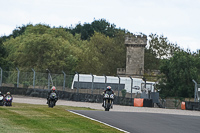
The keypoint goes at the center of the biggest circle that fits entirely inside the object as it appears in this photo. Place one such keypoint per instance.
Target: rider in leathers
(109, 91)
(53, 89)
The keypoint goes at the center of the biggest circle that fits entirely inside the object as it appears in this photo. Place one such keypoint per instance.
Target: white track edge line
(99, 121)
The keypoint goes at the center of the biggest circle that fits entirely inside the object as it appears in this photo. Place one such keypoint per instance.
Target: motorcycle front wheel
(51, 104)
(106, 109)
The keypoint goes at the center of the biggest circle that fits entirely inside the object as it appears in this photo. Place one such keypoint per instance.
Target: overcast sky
(178, 20)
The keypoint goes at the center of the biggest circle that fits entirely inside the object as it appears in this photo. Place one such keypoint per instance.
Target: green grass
(29, 118)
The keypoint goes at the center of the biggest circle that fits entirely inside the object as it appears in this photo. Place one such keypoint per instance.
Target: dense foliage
(102, 26)
(103, 55)
(61, 49)
(178, 73)
(4, 63)
(158, 48)
(41, 47)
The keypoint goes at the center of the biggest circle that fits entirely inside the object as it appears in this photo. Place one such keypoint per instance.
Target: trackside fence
(62, 81)
(35, 80)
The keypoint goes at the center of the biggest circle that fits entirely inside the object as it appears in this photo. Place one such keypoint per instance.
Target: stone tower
(135, 45)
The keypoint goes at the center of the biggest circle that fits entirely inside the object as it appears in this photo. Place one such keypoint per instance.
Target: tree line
(97, 48)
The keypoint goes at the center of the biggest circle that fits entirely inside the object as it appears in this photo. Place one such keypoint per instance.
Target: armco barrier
(12, 90)
(82, 97)
(71, 96)
(192, 105)
(148, 103)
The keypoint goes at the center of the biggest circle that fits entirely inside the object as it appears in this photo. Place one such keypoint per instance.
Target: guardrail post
(17, 77)
(131, 86)
(92, 83)
(33, 78)
(105, 80)
(64, 80)
(78, 83)
(48, 72)
(1, 76)
(118, 84)
(118, 88)
(195, 90)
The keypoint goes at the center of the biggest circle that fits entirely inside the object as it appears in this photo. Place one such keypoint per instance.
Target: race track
(132, 119)
(36, 100)
(135, 122)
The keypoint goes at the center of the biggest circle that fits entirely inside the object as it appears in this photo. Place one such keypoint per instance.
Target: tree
(178, 72)
(41, 47)
(102, 26)
(102, 55)
(151, 62)
(161, 46)
(158, 48)
(4, 63)
(19, 30)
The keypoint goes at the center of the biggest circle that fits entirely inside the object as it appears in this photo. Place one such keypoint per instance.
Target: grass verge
(29, 118)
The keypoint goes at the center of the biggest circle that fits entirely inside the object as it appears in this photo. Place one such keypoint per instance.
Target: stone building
(135, 45)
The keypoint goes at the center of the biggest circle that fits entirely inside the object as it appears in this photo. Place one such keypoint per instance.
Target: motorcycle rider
(7, 94)
(108, 90)
(53, 89)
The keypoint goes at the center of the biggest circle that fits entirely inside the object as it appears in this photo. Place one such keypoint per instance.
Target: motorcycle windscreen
(8, 98)
(53, 94)
(109, 92)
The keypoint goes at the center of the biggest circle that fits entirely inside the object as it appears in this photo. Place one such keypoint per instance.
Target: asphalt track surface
(135, 122)
(133, 119)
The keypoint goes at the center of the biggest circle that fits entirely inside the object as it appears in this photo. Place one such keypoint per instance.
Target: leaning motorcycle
(107, 101)
(1, 100)
(52, 100)
(8, 100)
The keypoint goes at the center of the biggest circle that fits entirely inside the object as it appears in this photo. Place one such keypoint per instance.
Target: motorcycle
(8, 100)
(107, 101)
(1, 100)
(52, 100)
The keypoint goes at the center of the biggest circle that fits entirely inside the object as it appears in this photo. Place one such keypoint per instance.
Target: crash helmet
(8, 93)
(53, 88)
(108, 88)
